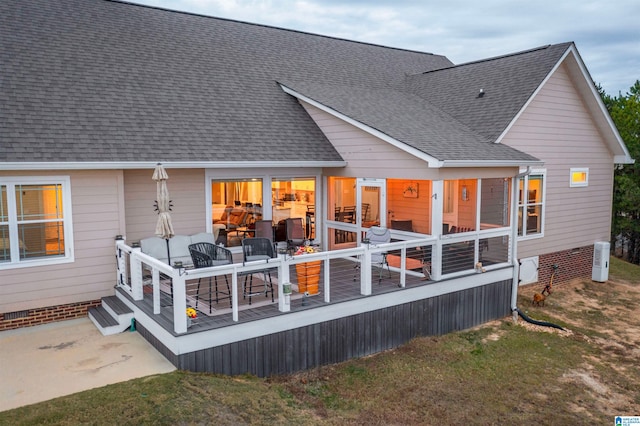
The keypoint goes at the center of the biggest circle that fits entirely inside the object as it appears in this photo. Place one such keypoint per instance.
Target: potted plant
(191, 315)
(308, 272)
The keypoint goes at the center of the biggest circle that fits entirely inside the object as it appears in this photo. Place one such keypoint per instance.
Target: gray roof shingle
(507, 81)
(410, 119)
(96, 80)
(105, 81)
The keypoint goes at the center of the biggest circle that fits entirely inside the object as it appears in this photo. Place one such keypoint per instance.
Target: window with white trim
(579, 177)
(35, 220)
(531, 205)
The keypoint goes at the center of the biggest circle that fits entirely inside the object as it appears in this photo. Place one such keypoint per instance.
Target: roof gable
(507, 82)
(408, 122)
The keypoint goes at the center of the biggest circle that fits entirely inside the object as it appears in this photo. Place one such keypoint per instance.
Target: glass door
(371, 204)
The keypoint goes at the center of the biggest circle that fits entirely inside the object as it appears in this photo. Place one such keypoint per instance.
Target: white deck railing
(135, 269)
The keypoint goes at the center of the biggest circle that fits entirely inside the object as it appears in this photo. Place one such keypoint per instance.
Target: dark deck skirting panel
(354, 336)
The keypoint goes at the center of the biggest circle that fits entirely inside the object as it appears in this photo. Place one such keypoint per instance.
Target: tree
(625, 228)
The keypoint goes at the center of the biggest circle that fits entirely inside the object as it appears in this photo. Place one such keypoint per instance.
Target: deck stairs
(112, 316)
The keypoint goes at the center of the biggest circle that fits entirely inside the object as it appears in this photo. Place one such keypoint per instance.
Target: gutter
(514, 245)
(121, 165)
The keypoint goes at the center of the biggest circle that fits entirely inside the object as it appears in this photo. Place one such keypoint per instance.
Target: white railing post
(436, 260)
(155, 283)
(136, 274)
(365, 271)
(179, 301)
(327, 281)
(403, 264)
(121, 264)
(284, 284)
(234, 294)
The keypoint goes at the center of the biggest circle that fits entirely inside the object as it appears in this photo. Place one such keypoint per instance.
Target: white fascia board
(623, 159)
(431, 161)
(97, 165)
(490, 163)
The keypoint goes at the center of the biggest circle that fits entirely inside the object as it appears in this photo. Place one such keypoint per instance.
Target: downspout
(514, 244)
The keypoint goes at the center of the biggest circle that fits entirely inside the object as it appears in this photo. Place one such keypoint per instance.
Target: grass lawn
(500, 373)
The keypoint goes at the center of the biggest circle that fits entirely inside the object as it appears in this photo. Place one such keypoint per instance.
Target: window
(494, 203)
(579, 177)
(530, 205)
(293, 197)
(35, 222)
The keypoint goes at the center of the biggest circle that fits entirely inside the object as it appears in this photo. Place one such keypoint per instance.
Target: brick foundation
(573, 263)
(38, 316)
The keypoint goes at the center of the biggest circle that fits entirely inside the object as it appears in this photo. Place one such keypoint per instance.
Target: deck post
(136, 274)
(155, 283)
(179, 301)
(403, 269)
(365, 271)
(284, 284)
(327, 281)
(121, 264)
(234, 295)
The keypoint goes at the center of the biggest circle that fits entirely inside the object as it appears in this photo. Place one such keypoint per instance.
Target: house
(505, 162)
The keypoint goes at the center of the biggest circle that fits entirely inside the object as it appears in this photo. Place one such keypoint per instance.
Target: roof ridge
(270, 27)
(495, 58)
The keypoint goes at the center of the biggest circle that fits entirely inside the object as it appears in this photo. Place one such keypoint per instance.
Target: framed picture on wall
(410, 190)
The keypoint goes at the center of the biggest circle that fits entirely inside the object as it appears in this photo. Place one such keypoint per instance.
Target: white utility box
(600, 267)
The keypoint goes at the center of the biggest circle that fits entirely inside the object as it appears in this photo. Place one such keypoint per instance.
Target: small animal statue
(479, 267)
(538, 299)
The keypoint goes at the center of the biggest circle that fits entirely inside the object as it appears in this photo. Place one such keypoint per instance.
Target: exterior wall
(370, 332)
(97, 200)
(39, 316)
(366, 155)
(187, 192)
(557, 128)
(572, 263)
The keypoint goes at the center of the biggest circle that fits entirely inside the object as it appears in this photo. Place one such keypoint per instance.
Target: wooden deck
(345, 286)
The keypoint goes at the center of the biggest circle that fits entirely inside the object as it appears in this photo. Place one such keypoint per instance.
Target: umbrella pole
(168, 253)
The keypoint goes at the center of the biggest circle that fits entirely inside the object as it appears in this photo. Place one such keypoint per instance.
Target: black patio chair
(205, 255)
(256, 249)
(295, 233)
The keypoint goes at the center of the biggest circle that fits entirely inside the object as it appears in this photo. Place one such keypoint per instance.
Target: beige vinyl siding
(186, 190)
(97, 219)
(366, 155)
(557, 128)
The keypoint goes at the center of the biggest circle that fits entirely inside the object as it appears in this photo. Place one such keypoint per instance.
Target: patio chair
(205, 255)
(295, 233)
(376, 235)
(255, 249)
(264, 229)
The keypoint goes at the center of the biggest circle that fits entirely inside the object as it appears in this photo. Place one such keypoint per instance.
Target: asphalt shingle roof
(96, 80)
(105, 81)
(507, 81)
(410, 119)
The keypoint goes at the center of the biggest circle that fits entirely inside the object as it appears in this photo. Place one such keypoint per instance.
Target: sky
(606, 32)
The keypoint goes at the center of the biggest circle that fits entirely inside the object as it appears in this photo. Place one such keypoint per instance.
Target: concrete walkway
(47, 361)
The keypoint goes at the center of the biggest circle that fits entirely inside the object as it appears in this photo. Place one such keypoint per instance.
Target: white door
(371, 204)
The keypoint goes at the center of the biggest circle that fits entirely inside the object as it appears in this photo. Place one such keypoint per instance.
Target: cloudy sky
(606, 32)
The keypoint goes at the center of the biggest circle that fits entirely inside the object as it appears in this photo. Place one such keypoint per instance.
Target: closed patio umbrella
(164, 227)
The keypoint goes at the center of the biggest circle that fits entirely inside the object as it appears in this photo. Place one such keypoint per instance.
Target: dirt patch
(606, 315)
